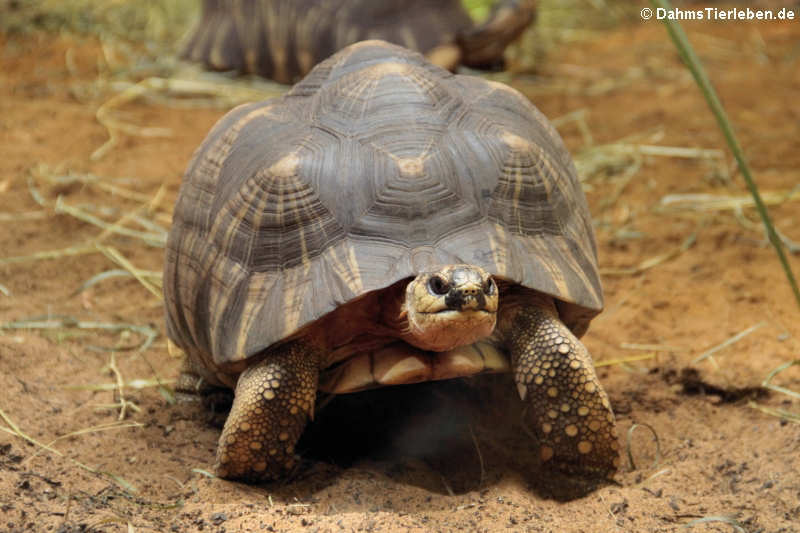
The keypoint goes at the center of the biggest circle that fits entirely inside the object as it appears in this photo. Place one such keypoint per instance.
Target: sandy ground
(433, 457)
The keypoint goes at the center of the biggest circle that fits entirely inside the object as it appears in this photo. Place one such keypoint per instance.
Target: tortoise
(385, 222)
(283, 39)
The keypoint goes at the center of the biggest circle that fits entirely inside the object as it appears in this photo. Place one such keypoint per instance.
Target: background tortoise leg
(274, 401)
(567, 409)
(191, 386)
(483, 46)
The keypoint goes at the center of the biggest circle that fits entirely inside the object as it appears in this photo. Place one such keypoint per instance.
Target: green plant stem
(678, 37)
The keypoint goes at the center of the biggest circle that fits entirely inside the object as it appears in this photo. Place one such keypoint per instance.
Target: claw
(522, 390)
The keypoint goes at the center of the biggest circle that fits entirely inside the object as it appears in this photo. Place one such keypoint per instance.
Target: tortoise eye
(489, 287)
(437, 285)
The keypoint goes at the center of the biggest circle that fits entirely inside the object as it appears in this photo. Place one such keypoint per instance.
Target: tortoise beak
(464, 297)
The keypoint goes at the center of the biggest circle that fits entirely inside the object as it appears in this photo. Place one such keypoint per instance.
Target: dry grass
(783, 414)
(14, 429)
(709, 354)
(215, 91)
(158, 25)
(147, 219)
(629, 445)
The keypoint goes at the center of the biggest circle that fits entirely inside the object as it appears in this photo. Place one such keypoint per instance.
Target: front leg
(274, 401)
(567, 409)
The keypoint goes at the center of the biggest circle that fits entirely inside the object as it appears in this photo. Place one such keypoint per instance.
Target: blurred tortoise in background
(385, 222)
(284, 39)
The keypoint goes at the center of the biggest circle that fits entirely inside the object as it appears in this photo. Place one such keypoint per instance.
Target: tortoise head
(450, 306)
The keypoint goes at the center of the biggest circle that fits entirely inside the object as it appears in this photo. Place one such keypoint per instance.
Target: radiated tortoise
(283, 39)
(385, 222)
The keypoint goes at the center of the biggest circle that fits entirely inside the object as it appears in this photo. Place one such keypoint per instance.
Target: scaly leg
(274, 401)
(567, 409)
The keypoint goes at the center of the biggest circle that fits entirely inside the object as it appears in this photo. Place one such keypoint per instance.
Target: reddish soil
(386, 460)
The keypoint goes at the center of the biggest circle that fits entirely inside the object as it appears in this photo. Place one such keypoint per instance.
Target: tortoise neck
(392, 305)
